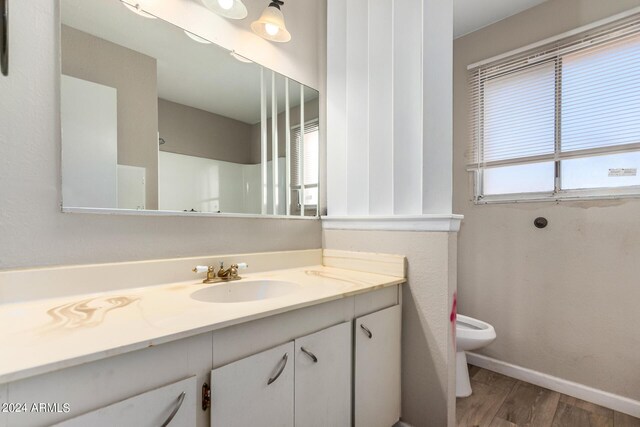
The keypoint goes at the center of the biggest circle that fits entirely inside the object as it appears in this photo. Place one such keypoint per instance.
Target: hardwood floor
(501, 401)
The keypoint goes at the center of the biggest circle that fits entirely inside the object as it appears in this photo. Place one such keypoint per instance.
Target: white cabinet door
(255, 391)
(323, 378)
(151, 409)
(377, 368)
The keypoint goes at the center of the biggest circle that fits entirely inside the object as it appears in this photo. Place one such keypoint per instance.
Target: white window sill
(564, 196)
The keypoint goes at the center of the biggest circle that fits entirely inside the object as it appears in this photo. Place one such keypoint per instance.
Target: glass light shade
(271, 20)
(138, 10)
(240, 57)
(237, 9)
(196, 38)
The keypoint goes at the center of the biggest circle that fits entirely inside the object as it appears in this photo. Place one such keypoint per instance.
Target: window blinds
(577, 97)
(310, 153)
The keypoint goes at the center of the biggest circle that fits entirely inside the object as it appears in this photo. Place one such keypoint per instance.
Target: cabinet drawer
(150, 409)
(255, 391)
(323, 378)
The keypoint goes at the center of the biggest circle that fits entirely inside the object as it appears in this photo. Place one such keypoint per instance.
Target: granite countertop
(46, 335)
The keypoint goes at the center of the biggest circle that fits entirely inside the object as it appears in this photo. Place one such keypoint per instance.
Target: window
(561, 121)
(304, 165)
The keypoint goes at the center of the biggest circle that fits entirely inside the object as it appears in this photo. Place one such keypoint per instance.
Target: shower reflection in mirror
(153, 120)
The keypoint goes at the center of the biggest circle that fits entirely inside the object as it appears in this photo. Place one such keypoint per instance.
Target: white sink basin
(245, 291)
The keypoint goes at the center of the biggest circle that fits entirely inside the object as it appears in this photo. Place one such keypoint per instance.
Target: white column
(274, 145)
(301, 150)
(437, 107)
(407, 107)
(263, 142)
(287, 133)
(389, 107)
(357, 182)
(381, 123)
(336, 107)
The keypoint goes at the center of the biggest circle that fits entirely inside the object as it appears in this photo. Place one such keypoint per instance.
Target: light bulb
(225, 4)
(271, 29)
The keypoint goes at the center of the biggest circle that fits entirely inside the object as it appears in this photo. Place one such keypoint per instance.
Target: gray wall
(563, 300)
(134, 75)
(33, 230)
(195, 132)
(428, 347)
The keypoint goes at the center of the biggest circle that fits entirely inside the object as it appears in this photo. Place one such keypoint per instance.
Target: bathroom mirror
(155, 118)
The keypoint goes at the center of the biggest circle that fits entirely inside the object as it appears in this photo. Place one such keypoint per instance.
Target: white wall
(389, 114)
(89, 116)
(34, 232)
(131, 187)
(563, 300)
(206, 185)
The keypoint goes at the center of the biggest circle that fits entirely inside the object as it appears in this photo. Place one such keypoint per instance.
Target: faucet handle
(211, 272)
(200, 269)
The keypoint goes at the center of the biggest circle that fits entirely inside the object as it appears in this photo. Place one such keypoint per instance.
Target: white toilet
(471, 334)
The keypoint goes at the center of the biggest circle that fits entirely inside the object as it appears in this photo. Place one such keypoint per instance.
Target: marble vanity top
(46, 335)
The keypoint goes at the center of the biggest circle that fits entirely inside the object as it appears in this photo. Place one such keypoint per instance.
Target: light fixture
(240, 57)
(233, 9)
(271, 26)
(137, 9)
(196, 38)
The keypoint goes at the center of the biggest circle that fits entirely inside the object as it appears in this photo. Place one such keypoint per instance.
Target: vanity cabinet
(307, 380)
(377, 368)
(354, 376)
(257, 390)
(171, 405)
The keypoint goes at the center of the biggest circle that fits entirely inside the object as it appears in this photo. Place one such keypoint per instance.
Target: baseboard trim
(590, 394)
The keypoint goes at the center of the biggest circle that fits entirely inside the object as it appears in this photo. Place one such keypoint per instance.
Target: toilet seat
(470, 328)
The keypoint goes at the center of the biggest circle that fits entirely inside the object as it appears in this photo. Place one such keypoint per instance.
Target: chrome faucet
(223, 275)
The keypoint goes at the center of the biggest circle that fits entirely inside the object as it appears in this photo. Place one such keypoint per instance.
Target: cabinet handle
(4, 37)
(311, 355)
(283, 363)
(366, 331)
(175, 410)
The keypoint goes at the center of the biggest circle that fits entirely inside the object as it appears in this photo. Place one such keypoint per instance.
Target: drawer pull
(283, 363)
(4, 37)
(311, 355)
(366, 331)
(175, 410)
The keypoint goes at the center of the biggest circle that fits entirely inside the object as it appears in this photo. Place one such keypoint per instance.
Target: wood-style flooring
(501, 401)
